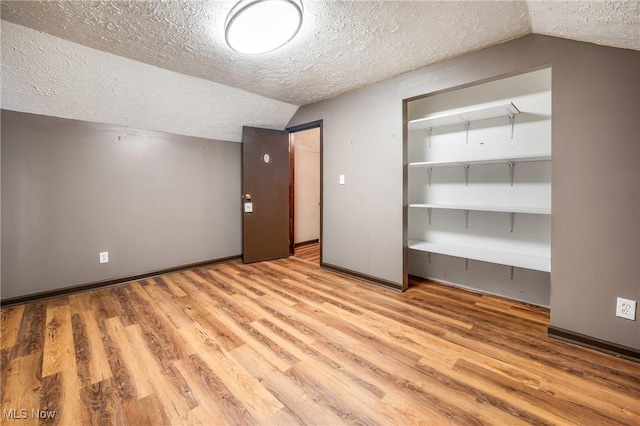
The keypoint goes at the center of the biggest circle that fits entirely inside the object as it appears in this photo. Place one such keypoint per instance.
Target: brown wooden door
(265, 194)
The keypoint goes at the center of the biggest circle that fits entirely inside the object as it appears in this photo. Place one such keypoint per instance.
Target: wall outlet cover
(626, 309)
(104, 256)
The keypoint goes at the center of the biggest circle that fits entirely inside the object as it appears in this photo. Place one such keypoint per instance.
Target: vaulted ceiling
(343, 45)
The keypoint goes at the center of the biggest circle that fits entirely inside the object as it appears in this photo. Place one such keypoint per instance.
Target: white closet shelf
(465, 115)
(503, 258)
(494, 160)
(486, 208)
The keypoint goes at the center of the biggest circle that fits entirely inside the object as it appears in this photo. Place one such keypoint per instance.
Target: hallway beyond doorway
(309, 252)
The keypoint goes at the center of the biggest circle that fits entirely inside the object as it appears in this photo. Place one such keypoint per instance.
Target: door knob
(248, 204)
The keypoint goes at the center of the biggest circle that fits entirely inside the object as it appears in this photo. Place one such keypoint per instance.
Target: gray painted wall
(595, 242)
(71, 189)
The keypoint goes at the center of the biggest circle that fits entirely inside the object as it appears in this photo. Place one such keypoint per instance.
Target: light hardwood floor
(284, 342)
(308, 252)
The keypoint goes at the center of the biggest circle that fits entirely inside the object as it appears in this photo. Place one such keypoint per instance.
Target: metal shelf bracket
(512, 272)
(429, 133)
(466, 219)
(466, 174)
(512, 121)
(466, 264)
(429, 211)
(430, 173)
(512, 168)
(512, 219)
(466, 127)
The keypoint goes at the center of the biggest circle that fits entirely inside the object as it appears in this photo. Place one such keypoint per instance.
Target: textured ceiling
(342, 45)
(43, 74)
(610, 23)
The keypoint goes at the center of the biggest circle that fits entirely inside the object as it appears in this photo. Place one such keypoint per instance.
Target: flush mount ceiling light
(260, 26)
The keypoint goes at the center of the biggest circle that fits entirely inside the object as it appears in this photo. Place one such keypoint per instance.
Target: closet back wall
(72, 189)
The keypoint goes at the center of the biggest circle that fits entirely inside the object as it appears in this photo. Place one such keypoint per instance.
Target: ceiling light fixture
(260, 26)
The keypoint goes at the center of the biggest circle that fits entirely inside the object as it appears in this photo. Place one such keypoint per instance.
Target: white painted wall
(46, 75)
(307, 185)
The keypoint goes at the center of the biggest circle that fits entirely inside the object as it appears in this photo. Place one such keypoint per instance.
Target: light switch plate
(248, 207)
(341, 179)
(104, 257)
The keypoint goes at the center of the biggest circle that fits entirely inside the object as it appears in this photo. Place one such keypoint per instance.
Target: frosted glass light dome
(261, 26)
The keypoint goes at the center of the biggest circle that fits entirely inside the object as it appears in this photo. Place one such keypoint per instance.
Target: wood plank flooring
(309, 252)
(284, 342)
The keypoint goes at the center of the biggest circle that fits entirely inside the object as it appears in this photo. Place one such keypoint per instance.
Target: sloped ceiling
(342, 46)
(609, 23)
(45, 75)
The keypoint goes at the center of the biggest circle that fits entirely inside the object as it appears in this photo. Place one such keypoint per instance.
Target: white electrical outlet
(104, 257)
(341, 179)
(626, 309)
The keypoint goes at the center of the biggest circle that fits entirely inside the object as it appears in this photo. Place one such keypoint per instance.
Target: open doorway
(306, 191)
